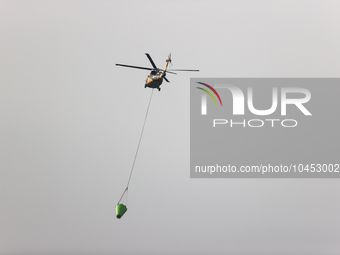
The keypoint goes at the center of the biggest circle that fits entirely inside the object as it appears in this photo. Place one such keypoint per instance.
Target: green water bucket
(120, 210)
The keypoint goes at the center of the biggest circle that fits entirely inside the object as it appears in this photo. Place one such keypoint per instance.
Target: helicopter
(156, 76)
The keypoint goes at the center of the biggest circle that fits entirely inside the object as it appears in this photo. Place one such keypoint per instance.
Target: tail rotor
(169, 61)
(169, 57)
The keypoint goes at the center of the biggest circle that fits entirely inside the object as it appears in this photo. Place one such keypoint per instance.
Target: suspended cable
(140, 139)
(125, 191)
(121, 207)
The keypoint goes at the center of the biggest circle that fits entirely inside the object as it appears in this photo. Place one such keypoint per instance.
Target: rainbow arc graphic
(204, 101)
(213, 90)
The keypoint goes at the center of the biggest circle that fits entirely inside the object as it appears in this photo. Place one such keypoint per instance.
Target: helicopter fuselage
(154, 79)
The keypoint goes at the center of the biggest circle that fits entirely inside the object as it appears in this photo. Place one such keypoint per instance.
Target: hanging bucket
(120, 210)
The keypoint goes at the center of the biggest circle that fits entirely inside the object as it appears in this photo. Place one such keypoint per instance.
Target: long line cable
(134, 161)
(140, 139)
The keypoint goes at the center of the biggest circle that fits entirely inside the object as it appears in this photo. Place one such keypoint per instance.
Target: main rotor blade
(166, 79)
(151, 61)
(138, 67)
(186, 70)
(167, 71)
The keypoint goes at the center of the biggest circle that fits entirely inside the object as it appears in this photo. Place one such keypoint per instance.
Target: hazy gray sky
(71, 120)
